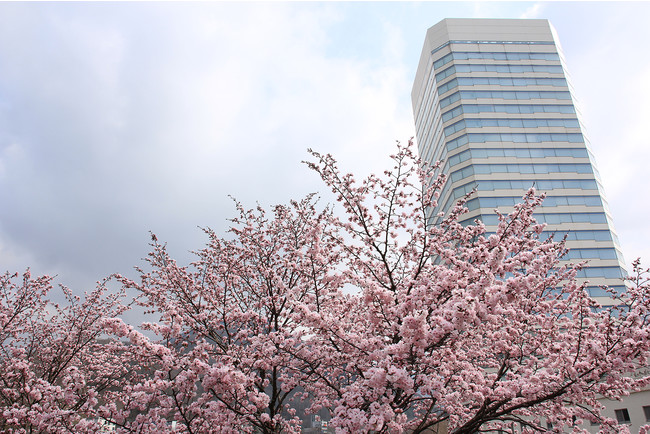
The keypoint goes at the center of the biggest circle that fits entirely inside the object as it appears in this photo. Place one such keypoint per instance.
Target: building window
(646, 411)
(622, 415)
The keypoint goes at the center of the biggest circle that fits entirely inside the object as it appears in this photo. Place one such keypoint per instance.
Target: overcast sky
(117, 119)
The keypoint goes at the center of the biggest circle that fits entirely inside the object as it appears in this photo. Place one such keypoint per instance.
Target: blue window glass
(527, 138)
(515, 95)
(595, 235)
(553, 218)
(510, 55)
(591, 253)
(550, 201)
(460, 141)
(507, 108)
(513, 123)
(595, 218)
(512, 43)
(447, 86)
(597, 291)
(501, 81)
(443, 61)
(456, 111)
(450, 99)
(445, 73)
(607, 272)
(532, 168)
(508, 68)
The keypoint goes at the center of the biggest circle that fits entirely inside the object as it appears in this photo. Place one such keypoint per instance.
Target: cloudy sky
(117, 119)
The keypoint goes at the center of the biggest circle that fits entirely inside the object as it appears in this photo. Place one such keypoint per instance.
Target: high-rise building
(492, 102)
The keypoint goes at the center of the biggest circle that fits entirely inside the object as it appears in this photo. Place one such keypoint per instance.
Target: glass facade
(492, 102)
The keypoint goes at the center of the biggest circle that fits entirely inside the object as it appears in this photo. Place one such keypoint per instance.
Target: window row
(532, 168)
(571, 201)
(583, 235)
(557, 218)
(595, 235)
(514, 153)
(522, 185)
(550, 218)
(550, 201)
(521, 153)
(519, 95)
(501, 81)
(512, 55)
(579, 235)
(607, 272)
(518, 168)
(507, 108)
(595, 253)
(510, 123)
(493, 43)
(597, 291)
(514, 138)
(542, 184)
(491, 67)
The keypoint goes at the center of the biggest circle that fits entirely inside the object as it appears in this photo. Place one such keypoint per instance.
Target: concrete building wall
(636, 406)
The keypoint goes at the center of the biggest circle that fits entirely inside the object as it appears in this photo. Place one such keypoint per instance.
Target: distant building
(492, 102)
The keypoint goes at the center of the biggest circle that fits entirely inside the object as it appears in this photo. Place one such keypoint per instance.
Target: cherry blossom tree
(229, 324)
(57, 367)
(453, 325)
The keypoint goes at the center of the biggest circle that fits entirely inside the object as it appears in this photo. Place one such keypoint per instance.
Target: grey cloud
(123, 118)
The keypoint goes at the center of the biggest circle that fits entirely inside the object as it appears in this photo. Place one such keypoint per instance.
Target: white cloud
(533, 11)
(610, 78)
(138, 117)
